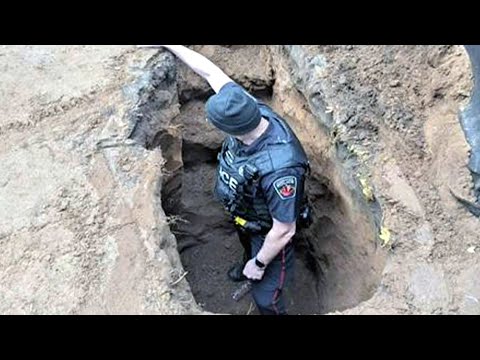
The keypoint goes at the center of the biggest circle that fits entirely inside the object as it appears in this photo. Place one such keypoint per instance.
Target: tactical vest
(238, 178)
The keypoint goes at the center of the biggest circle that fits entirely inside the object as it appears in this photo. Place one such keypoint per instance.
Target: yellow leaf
(385, 236)
(366, 189)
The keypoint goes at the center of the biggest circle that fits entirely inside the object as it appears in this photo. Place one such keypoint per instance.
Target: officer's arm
(278, 237)
(200, 64)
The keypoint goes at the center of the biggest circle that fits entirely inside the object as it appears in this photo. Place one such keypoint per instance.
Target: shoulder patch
(286, 187)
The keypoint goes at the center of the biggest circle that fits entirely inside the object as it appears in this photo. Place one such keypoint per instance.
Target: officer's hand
(252, 271)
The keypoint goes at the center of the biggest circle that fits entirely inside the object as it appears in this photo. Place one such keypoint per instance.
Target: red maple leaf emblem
(287, 190)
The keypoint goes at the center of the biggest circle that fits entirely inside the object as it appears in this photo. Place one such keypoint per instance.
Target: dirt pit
(82, 229)
(337, 265)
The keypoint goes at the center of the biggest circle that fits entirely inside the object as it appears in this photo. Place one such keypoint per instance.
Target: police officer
(260, 181)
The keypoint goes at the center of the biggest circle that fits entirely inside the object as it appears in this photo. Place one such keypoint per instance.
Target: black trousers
(268, 292)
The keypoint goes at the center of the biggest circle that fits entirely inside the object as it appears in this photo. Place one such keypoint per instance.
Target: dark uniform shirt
(284, 189)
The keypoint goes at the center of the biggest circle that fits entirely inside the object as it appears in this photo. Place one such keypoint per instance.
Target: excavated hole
(337, 265)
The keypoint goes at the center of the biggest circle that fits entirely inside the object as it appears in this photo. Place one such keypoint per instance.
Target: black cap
(233, 110)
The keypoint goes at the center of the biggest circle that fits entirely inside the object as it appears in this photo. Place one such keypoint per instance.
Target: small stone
(63, 205)
(395, 83)
(127, 167)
